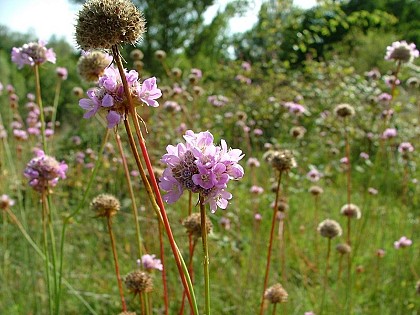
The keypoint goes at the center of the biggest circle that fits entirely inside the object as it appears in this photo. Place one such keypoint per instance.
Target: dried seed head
(329, 228)
(138, 282)
(316, 190)
(192, 224)
(176, 72)
(138, 65)
(102, 24)
(343, 248)
(160, 54)
(105, 205)
(281, 160)
(92, 65)
(351, 211)
(297, 132)
(78, 91)
(344, 110)
(276, 294)
(136, 54)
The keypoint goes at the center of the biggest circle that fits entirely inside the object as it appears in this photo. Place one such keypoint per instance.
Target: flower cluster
(201, 167)
(110, 95)
(32, 53)
(150, 262)
(403, 242)
(401, 51)
(44, 171)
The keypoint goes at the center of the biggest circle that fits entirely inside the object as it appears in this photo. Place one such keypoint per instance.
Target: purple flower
(197, 73)
(246, 66)
(44, 171)
(402, 242)
(149, 262)
(364, 155)
(217, 100)
(389, 133)
(253, 162)
(149, 92)
(110, 95)
(257, 190)
(32, 53)
(201, 167)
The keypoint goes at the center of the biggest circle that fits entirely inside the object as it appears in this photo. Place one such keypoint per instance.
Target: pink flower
(32, 53)
(405, 147)
(364, 155)
(401, 51)
(62, 73)
(314, 175)
(149, 262)
(6, 202)
(257, 190)
(149, 92)
(389, 133)
(403, 242)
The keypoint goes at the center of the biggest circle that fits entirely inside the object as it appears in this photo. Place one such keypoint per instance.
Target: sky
(45, 18)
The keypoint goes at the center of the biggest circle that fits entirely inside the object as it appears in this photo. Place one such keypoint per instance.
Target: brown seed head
(316, 190)
(276, 294)
(351, 211)
(343, 248)
(282, 160)
(136, 54)
(102, 24)
(297, 132)
(105, 205)
(192, 224)
(92, 65)
(138, 282)
(160, 54)
(344, 110)
(329, 228)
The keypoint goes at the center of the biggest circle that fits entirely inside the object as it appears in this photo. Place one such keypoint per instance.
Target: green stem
(41, 108)
(206, 256)
(117, 268)
(55, 105)
(46, 253)
(326, 276)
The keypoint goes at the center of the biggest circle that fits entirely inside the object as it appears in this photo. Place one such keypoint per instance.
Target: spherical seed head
(316, 190)
(343, 248)
(138, 65)
(105, 205)
(138, 282)
(78, 91)
(136, 54)
(92, 65)
(282, 160)
(160, 54)
(276, 294)
(297, 132)
(344, 110)
(351, 211)
(102, 24)
(329, 228)
(192, 224)
(176, 72)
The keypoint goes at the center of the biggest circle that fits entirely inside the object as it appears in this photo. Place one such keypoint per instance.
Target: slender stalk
(394, 84)
(274, 309)
(340, 267)
(41, 108)
(55, 104)
(163, 272)
(131, 193)
(186, 281)
(206, 256)
(46, 252)
(117, 268)
(327, 266)
(270, 243)
(405, 182)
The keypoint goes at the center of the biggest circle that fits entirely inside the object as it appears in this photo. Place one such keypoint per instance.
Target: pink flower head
(344, 160)
(246, 66)
(253, 162)
(110, 95)
(364, 155)
(196, 72)
(257, 190)
(389, 133)
(149, 262)
(62, 73)
(314, 175)
(201, 167)
(258, 132)
(401, 51)
(225, 223)
(384, 97)
(149, 92)
(295, 108)
(32, 53)
(217, 100)
(1, 87)
(257, 217)
(403, 242)
(44, 171)
(405, 147)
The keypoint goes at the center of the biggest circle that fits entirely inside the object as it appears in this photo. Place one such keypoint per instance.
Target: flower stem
(55, 104)
(327, 266)
(163, 272)
(186, 281)
(270, 243)
(206, 256)
(46, 252)
(41, 108)
(117, 268)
